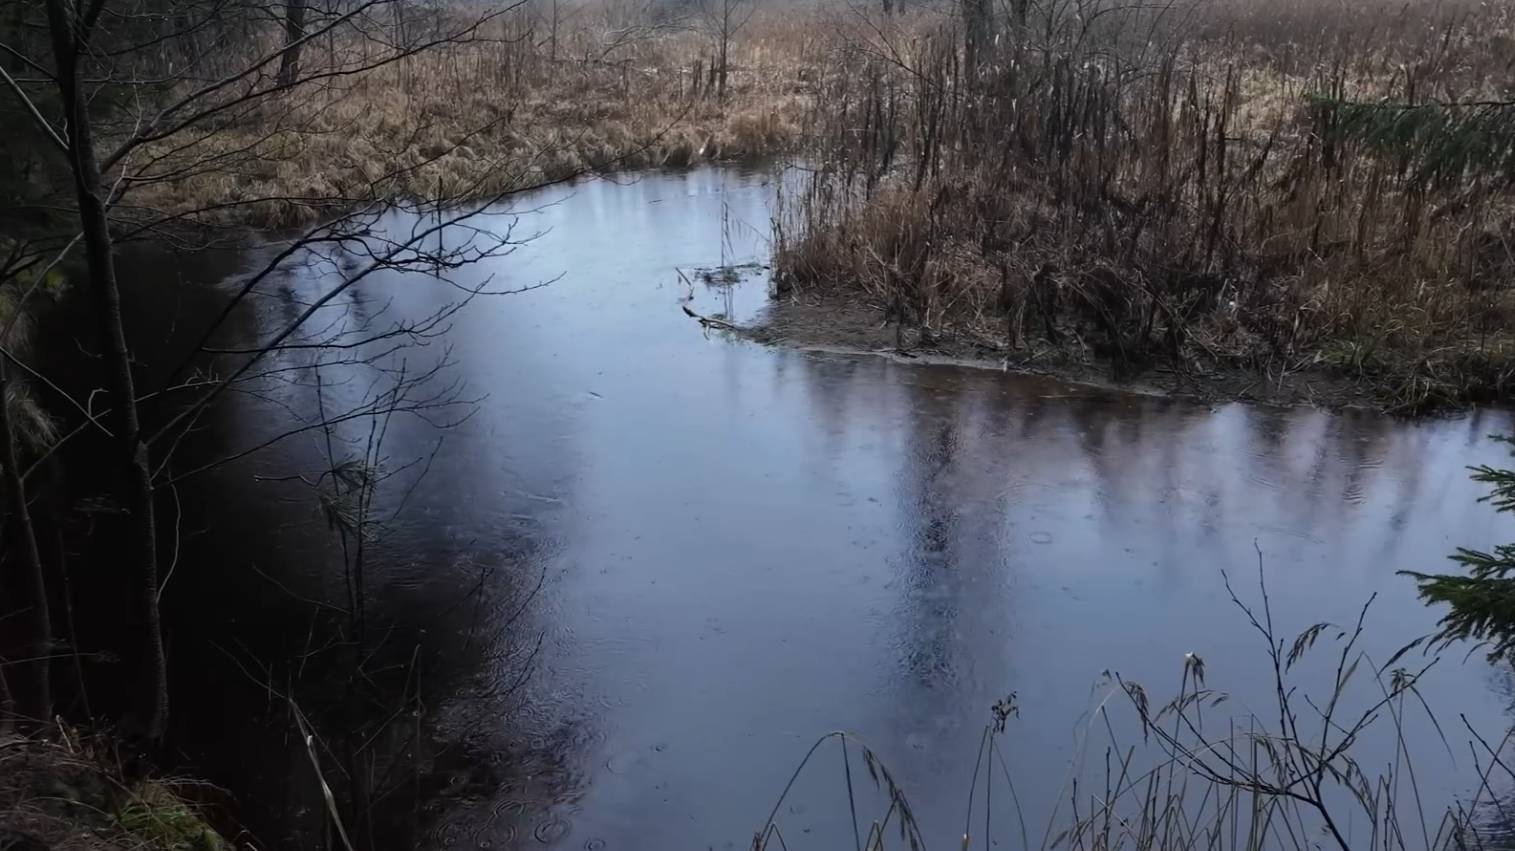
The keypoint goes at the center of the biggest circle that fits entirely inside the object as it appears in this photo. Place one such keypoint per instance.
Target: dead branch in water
(709, 321)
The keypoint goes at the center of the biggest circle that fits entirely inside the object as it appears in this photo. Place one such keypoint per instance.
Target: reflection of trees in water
(496, 765)
(931, 570)
(832, 385)
(253, 615)
(504, 784)
(987, 462)
(929, 574)
(951, 574)
(423, 717)
(454, 638)
(1494, 817)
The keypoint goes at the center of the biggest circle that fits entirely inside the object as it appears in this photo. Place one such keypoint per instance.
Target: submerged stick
(710, 322)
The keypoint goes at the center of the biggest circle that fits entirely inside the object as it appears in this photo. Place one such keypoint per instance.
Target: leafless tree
(978, 27)
(294, 41)
(723, 19)
(131, 101)
(21, 270)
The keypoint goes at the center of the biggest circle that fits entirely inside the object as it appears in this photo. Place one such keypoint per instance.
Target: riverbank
(474, 120)
(838, 324)
(1227, 194)
(646, 500)
(70, 791)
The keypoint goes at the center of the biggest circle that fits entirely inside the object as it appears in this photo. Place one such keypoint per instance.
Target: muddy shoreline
(843, 325)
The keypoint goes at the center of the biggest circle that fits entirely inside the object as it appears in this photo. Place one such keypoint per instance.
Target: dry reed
(1193, 773)
(611, 89)
(1213, 186)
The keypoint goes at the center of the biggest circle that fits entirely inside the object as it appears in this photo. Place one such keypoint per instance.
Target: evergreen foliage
(1443, 143)
(1482, 601)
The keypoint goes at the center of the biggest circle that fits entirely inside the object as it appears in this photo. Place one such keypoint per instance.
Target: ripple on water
(550, 831)
(492, 833)
(622, 761)
(594, 844)
(510, 807)
(446, 833)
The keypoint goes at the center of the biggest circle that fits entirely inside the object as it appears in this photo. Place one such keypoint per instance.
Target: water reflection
(725, 550)
(1048, 533)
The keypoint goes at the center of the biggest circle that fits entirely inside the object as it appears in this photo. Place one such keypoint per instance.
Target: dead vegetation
(528, 95)
(1208, 769)
(1200, 185)
(70, 794)
(1279, 189)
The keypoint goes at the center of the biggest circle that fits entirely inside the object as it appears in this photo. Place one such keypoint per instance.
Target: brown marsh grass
(514, 104)
(1279, 187)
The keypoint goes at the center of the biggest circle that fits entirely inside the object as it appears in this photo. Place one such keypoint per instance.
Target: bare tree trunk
(16, 30)
(720, 91)
(40, 699)
(70, 38)
(402, 40)
(976, 24)
(60, 565)
(294, 35)
(553, 56)
(7, 703)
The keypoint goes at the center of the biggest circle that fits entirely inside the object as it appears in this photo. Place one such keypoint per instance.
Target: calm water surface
(741, 548)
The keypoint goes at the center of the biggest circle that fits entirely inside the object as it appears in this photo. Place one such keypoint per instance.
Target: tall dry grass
(1337, 758)
(70, 790)
(1279, 187)
(533, 95)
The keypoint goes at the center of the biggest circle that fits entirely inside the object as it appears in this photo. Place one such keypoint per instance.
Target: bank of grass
(1219, 185)
(63, 792)
(504, 108)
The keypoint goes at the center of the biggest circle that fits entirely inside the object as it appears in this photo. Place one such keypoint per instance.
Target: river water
(705, 552)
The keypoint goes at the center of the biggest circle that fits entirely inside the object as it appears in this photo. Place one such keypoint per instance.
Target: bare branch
(42, 123)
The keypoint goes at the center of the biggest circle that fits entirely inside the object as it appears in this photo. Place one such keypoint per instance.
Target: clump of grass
(1187, 185)
(153, 816)
(69, 791)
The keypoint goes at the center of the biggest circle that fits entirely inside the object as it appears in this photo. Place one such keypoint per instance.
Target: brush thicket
(532, 94)
(1188, 185)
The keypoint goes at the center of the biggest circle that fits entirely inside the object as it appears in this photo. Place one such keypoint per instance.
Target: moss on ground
(66, 794)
